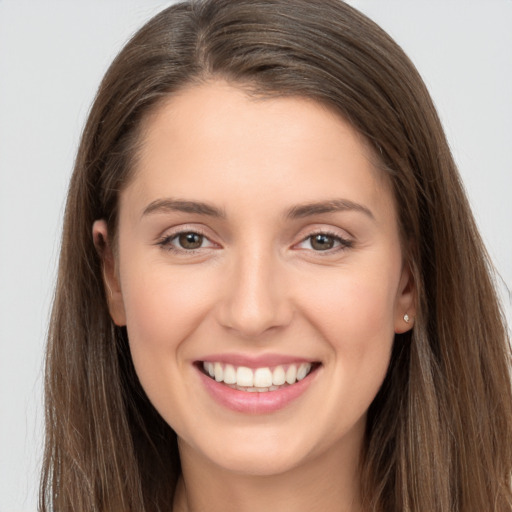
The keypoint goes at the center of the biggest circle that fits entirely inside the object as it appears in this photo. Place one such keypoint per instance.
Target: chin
(254, 452)
(258, 462)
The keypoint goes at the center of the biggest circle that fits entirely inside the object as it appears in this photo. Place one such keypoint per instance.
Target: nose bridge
(255, 300)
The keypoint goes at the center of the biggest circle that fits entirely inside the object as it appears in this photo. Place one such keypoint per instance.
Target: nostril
(253, 320)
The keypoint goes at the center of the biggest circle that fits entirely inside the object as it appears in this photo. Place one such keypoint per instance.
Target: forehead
(218, 140)
(215, 109)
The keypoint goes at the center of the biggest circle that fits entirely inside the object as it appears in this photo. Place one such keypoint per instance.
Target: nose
(256, 297)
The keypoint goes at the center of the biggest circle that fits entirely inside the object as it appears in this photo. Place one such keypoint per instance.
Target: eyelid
(165, 240)
(343, 242)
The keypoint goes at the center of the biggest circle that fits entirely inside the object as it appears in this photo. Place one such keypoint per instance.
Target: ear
(405, 304)
(110, 274)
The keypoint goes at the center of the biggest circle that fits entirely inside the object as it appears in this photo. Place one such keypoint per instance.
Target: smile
(254, 388)
(259, 380)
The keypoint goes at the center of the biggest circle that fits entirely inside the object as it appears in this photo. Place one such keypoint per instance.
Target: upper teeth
(257, 377)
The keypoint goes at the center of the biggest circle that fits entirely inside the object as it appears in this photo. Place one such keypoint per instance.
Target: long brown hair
(439, 432)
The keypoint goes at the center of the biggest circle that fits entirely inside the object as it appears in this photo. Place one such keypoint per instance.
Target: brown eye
(190, 241)
(322, 242)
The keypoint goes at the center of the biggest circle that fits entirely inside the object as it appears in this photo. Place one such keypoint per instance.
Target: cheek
(355, 310)
(162, 310)
(355, 316)
(363, 337)
(164, 303)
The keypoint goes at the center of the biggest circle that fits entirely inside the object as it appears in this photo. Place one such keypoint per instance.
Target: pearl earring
(406, 318)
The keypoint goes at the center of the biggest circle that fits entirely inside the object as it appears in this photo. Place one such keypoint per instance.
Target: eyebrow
(296, 212)
(330, 206)
(179, 205)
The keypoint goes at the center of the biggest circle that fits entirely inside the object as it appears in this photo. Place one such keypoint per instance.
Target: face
(259, 273)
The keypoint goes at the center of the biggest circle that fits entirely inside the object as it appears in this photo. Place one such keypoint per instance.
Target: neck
(329, 482)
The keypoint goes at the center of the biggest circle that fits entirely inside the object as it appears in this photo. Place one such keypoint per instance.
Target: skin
(257, 285)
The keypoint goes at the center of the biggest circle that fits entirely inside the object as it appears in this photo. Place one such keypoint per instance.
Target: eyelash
(343, 242)
(166, 242)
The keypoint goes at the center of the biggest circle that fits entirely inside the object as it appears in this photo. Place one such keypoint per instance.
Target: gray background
(52, 57)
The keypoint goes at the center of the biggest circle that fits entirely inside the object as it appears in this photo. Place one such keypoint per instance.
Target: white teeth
(259, 379)
(303, 370)
(278, 376)
(291, 374)
(244, 377)
(229, 374)
(219, 372)
(262, 378)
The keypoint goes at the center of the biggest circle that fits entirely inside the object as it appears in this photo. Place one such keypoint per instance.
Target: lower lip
(255, 402)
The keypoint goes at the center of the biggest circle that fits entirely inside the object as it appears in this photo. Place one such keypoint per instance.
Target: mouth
(257, 380)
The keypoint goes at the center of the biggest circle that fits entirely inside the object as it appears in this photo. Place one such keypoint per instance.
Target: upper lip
(255, 361)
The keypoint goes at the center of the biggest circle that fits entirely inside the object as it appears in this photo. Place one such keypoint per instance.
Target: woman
(271, 288)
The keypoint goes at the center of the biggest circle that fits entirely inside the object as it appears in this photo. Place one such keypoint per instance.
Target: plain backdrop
(52, 57)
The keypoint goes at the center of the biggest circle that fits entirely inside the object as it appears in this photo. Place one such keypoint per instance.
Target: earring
(406, 318)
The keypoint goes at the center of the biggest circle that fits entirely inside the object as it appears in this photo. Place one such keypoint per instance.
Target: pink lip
(260, 361)
(255, 403)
